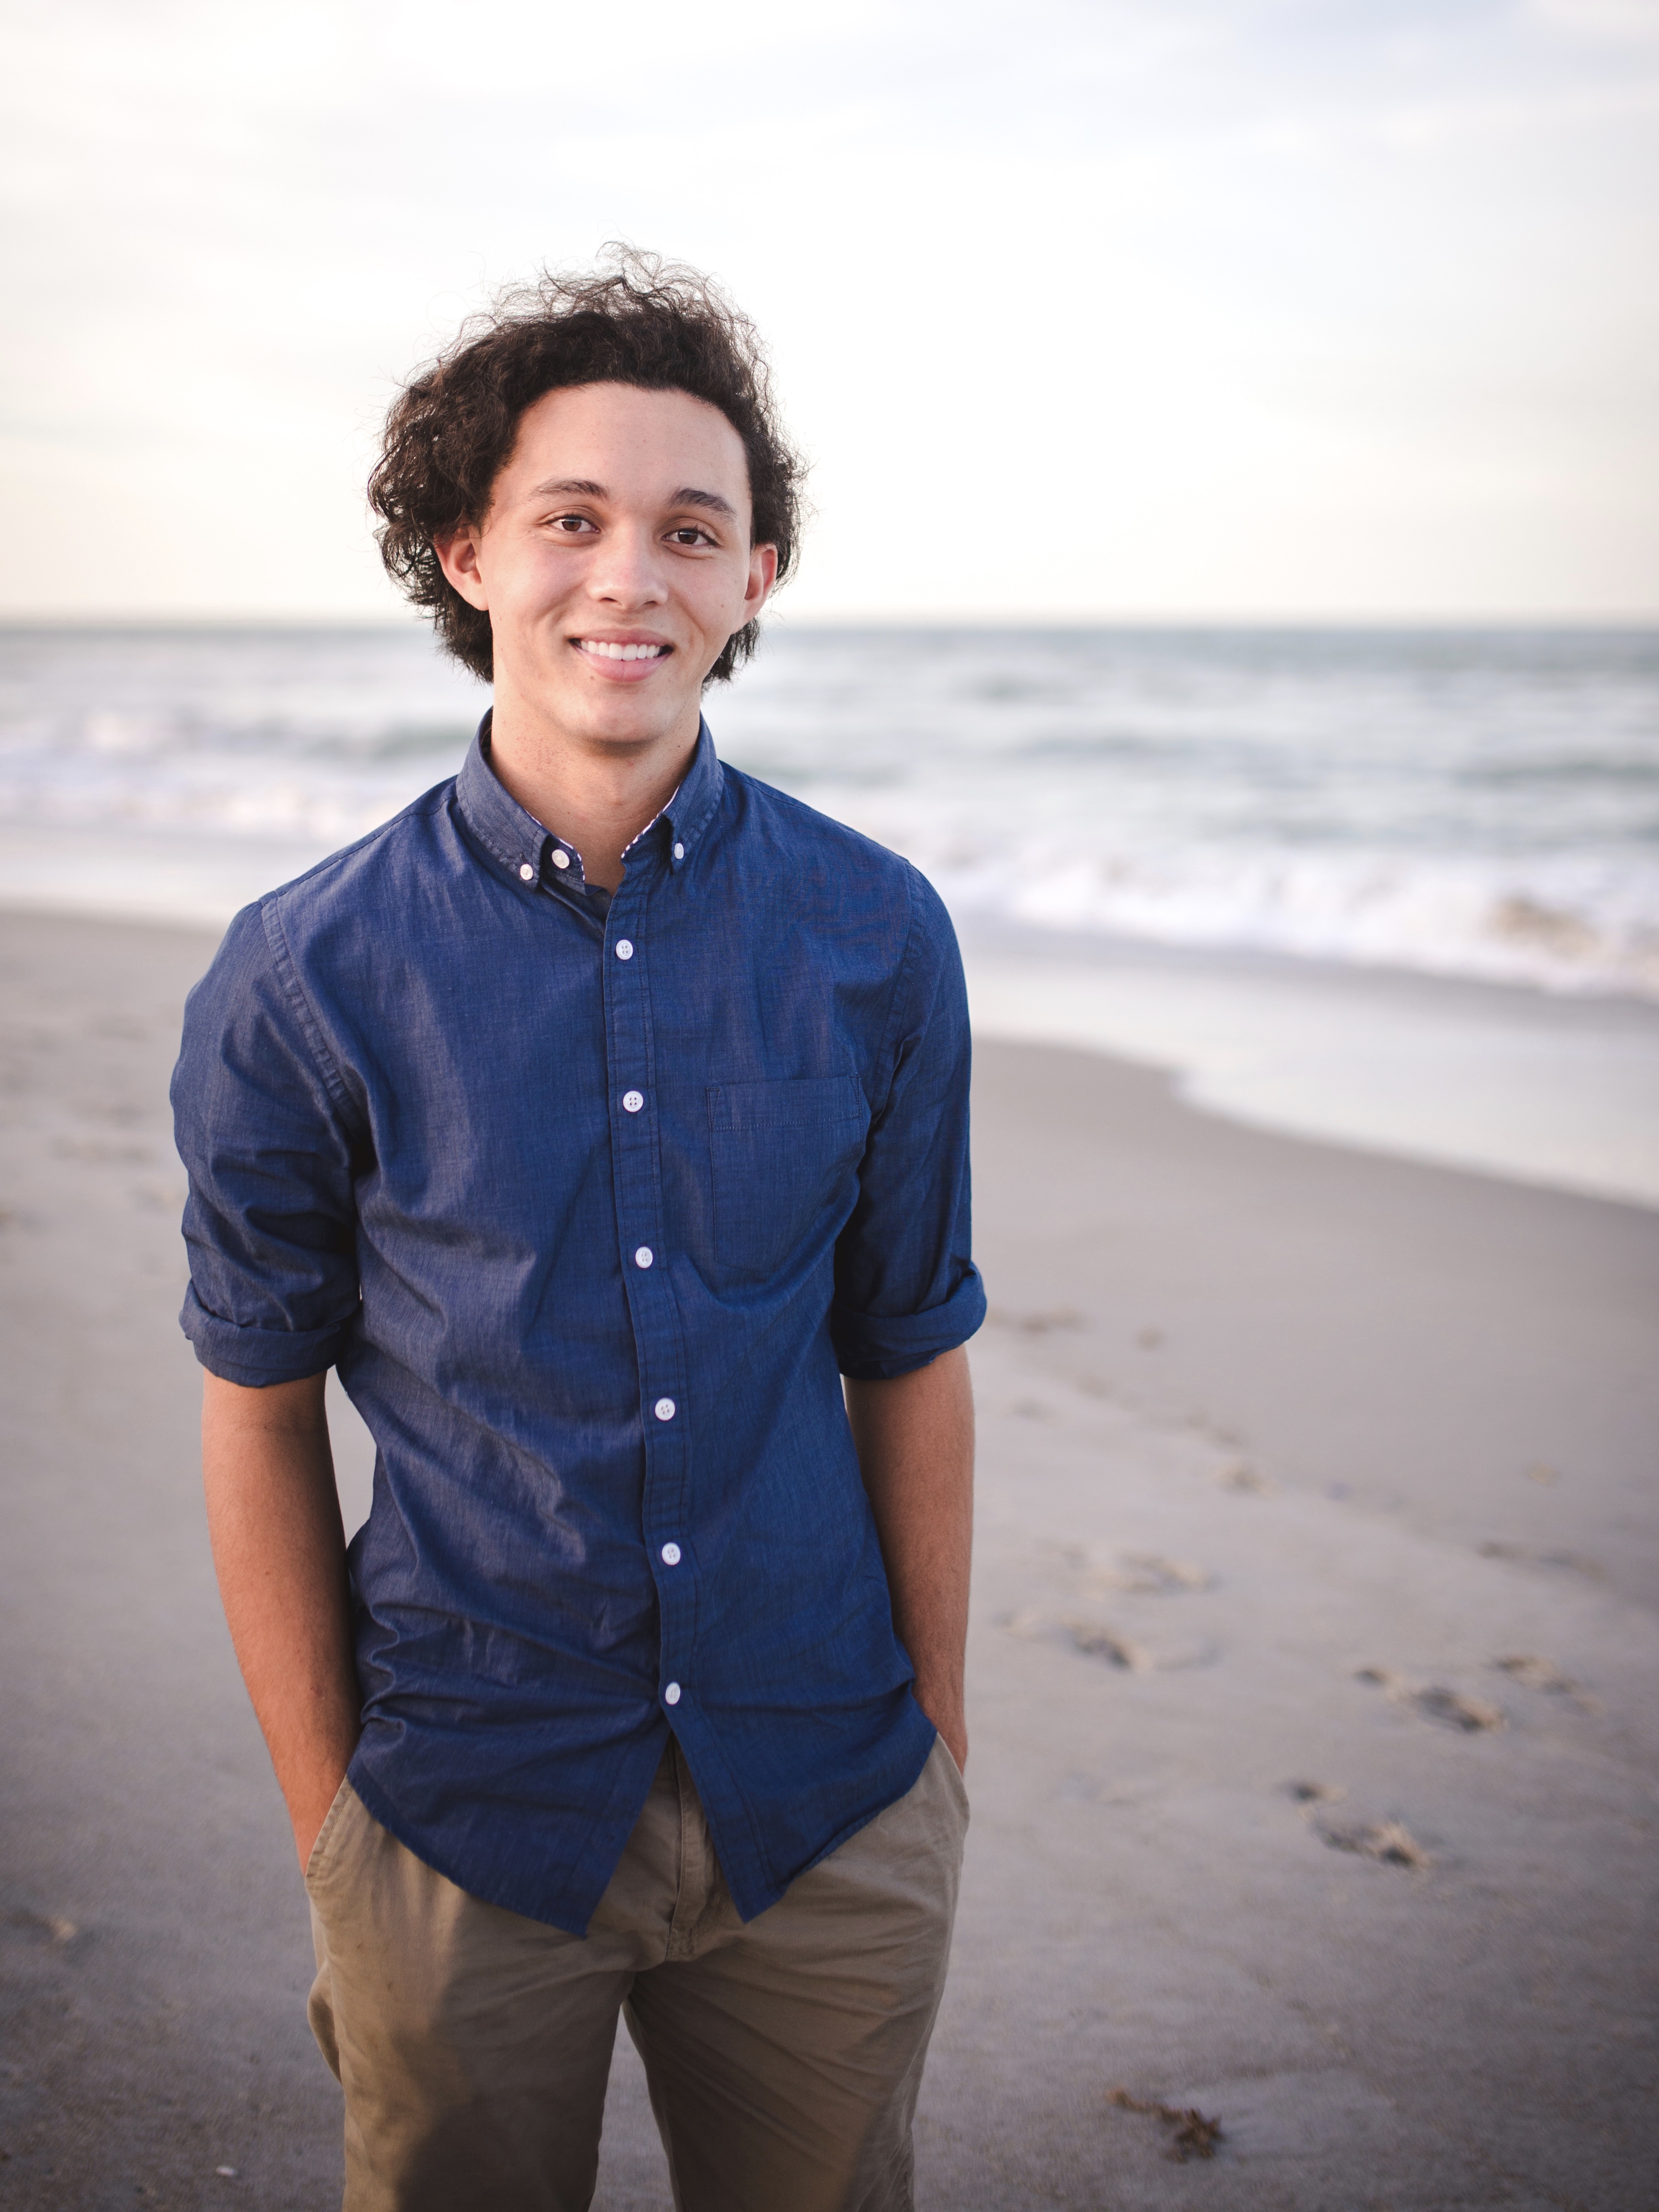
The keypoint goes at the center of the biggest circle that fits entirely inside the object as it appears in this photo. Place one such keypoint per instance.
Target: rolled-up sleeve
(906, 1286)
(264, 1126)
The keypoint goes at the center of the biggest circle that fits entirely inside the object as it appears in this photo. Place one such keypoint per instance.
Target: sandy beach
(1315, 1747)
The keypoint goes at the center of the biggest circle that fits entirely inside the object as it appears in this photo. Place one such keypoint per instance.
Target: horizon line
(221, 619)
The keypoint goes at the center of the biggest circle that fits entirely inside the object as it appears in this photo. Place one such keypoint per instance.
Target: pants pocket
(343, 1795)
(954, 1776)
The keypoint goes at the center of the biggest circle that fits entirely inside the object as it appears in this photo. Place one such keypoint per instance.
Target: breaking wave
(1478, 803)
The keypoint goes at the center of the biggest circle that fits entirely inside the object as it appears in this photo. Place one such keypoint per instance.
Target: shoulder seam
(288, 977)
(285, 968)
(906, 962)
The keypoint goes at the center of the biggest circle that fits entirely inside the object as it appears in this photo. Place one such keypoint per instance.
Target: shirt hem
(392, 1821)
(858, 1826)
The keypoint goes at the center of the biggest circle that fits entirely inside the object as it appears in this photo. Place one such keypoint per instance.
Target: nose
(628, 570)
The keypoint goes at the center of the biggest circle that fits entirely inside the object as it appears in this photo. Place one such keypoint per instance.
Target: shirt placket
(636, 1153)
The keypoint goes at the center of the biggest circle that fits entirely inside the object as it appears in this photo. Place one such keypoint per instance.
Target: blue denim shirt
(591, 1204)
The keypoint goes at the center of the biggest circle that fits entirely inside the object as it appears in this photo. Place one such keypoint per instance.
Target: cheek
(720, 602)
(527, 581)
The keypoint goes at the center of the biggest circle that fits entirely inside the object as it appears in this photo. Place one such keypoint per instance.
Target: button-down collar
(516, 840)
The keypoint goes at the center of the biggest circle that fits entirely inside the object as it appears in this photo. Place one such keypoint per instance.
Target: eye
(572, 524)
(689, 533)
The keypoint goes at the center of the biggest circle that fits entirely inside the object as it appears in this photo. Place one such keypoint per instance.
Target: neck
(596, 795)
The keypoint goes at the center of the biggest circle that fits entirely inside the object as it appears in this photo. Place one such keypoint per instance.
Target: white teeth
(606, 652)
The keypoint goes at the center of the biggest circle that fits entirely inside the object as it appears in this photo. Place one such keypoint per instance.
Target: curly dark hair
(637, 320)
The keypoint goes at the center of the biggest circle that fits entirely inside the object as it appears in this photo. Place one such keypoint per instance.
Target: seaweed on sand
(1194, 2136)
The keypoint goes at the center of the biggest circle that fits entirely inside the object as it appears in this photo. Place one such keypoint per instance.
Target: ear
(762, 574)
(457, 556)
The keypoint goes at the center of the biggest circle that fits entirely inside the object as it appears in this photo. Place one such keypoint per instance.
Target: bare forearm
(279, 1553)
(915, 1445)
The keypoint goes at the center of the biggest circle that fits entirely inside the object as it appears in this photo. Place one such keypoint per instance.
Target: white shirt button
(664, 1409)
(624, 949)
(632, 1101)
(527, 872)
(671, 1696)
(561, 859)
(679, 852)
(671, 1555)
(644, 1256)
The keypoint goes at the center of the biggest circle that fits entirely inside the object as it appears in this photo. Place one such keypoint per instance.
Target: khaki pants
(783, 2057)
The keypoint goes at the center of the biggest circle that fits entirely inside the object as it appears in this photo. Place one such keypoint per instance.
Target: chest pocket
(778, 1150)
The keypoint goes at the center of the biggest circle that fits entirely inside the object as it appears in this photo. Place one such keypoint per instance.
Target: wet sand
(1316, 1756)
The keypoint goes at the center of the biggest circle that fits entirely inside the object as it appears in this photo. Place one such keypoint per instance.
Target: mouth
(633, 650)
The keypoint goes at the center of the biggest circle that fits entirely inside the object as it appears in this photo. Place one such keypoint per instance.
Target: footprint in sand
(1150, 1575)
(1533, 1671)
(56, 1929)
(1390, 1842)
(1522, 1555)
(1142, 1574)
(1449, 1708)
(1140, 1654)
(1239, 1476)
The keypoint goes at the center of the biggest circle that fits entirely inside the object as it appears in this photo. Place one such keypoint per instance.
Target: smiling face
(615, 564)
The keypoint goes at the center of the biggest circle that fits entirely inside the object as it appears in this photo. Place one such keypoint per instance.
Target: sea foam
(1468, 803)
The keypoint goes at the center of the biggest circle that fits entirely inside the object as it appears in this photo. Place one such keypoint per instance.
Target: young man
(595, 1118)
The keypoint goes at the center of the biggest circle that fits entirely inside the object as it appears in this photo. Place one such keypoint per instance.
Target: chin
(629, 720)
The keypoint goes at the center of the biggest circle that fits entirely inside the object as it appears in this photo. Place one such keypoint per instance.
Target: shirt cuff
(260, 1357)
(876, 1347)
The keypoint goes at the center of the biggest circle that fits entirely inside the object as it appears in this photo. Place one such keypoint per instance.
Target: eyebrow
(584, 487)
(689, 495)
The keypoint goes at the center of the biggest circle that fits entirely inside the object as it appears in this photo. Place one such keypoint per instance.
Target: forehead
(639, 445)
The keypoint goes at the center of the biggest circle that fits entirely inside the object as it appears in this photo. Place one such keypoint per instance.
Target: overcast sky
(1135, 307)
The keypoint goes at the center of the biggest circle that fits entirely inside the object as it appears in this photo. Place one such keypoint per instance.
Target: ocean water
(1475, 804)
(1398, 889)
